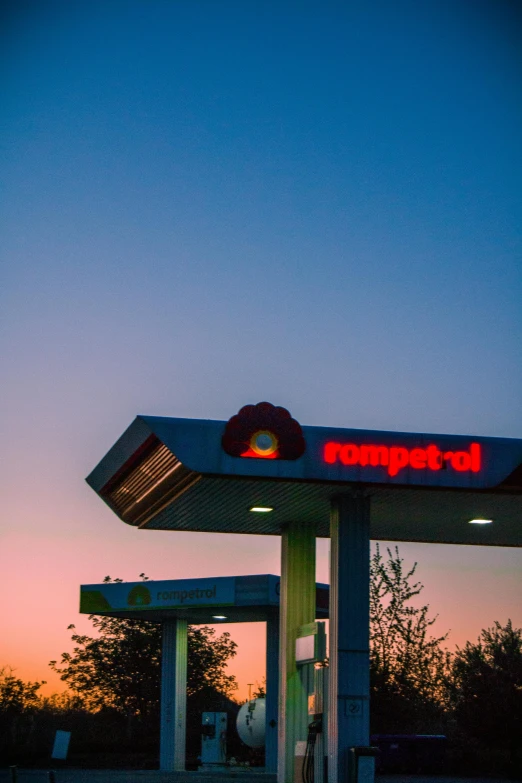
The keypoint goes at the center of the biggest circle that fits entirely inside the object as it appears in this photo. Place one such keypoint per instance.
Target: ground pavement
(150, 776)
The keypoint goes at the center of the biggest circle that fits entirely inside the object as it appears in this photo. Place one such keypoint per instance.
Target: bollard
(14, 773)
(51, 776)
(362, 764)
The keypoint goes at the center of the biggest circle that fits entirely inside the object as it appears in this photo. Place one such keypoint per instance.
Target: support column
(272, 692)
(173, 695)
(297, 607)
(349, 689)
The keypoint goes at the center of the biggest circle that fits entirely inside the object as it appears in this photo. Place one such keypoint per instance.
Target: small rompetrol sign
(157, 595)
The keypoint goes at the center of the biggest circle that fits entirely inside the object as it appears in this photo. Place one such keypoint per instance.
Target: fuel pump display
(213, 738)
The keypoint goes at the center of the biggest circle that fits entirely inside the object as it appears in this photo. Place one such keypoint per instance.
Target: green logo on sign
(139, 596)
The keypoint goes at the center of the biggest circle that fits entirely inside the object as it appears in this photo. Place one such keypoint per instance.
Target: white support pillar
(173, 695)
(349, 688)
(297, 607)
(272, 692)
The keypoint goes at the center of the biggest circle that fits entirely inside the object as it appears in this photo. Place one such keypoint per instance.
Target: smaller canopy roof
(191, 474)
(231, 599)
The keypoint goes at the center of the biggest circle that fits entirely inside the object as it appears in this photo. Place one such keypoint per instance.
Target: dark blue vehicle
(410, 753)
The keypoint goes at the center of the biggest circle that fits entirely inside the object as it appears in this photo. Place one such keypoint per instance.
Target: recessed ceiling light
(219, 617)
(261, 509)
(480, 521)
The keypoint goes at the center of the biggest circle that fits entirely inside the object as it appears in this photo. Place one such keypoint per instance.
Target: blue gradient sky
(208, 204)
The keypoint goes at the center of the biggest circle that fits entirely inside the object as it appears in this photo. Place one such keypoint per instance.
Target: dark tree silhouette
(19, 701)
(15, 694)
(408, 666)
(120, 667)
(117, 668)
(486, 692)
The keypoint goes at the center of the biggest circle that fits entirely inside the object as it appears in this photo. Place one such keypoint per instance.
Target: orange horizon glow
(467, 587)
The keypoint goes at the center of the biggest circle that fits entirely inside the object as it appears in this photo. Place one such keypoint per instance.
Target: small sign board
(169, 594)
(61, 744)
(310, 645)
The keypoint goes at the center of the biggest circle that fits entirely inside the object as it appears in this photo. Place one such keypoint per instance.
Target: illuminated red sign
(395, 458)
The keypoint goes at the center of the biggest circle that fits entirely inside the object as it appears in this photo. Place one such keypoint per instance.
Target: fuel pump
(213, 738)
(310, 653)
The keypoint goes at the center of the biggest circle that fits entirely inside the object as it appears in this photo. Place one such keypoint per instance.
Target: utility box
(214, 738)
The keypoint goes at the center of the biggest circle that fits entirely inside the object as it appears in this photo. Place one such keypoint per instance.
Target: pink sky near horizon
(468, 587)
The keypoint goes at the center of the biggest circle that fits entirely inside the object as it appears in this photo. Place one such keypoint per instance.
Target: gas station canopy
(261, 471)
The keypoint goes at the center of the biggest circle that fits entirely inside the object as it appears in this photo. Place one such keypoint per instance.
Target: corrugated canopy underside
(223, 505)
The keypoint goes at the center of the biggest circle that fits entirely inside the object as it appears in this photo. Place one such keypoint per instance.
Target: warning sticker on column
(353, 707)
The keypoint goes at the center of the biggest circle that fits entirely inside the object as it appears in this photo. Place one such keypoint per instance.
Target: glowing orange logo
(263, 431)
(395, 458)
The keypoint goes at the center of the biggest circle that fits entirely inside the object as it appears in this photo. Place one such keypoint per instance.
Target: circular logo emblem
(263, 431)
(264, 443)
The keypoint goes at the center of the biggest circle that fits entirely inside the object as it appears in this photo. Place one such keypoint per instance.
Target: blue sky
(208, 204)
(320, 195)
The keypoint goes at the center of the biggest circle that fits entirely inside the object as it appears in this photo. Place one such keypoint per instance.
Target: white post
(349, 687)
(297, 607)
(173, 695)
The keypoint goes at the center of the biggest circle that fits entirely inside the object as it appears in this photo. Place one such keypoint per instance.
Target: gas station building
(262, 473)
